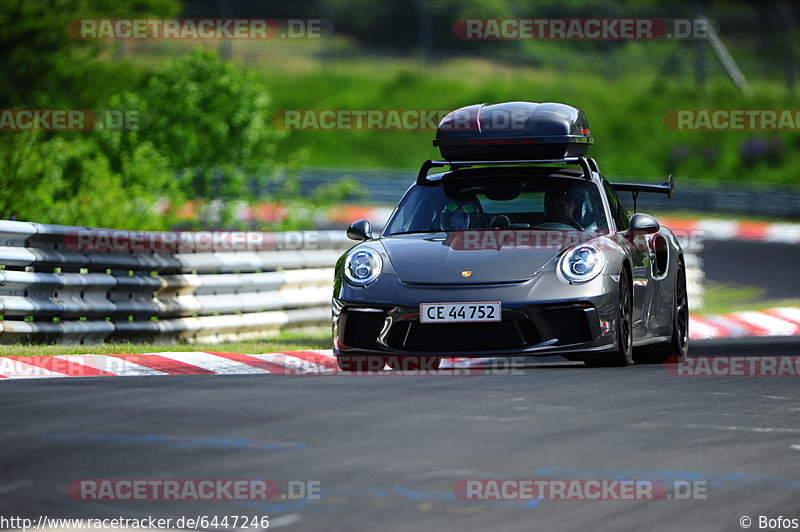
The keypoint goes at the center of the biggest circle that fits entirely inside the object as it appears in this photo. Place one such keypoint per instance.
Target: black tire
(414, 363)
(360, 362)
(678, 346)
(623, 355)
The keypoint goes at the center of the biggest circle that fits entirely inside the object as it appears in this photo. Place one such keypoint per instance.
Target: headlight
(362, 266)
(582, 263)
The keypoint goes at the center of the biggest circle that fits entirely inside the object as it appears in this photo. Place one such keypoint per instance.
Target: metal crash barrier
(79, 285)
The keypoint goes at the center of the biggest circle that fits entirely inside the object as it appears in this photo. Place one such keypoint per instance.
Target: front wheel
(623, 355)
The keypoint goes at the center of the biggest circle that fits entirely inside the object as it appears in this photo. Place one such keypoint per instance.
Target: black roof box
(512, 131)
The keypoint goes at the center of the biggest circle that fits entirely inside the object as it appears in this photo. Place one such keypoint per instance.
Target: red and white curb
(321, 362)
(713, 229)
(780, 321)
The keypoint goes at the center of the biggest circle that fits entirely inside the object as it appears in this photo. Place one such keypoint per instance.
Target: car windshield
(555, 204)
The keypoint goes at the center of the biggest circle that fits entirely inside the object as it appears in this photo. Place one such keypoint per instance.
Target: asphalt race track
(761, 264)
(387, 449)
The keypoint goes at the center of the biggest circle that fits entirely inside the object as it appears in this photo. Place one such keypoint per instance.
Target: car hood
(434, 259)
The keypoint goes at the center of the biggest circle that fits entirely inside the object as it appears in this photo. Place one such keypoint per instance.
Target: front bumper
(533, 321)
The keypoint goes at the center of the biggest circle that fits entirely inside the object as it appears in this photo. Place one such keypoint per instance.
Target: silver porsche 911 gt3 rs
(507, 258)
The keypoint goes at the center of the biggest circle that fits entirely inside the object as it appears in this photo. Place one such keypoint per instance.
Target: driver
(565, 204)
(460, 214)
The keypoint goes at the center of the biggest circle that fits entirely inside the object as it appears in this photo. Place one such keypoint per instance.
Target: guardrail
(63, 284)
(53, 290)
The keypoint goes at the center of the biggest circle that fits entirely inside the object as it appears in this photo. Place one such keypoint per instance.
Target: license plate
(459, 312)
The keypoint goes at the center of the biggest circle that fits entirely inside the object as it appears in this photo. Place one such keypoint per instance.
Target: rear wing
(668, 187)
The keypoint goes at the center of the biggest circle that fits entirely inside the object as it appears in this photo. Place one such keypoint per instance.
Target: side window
(618, 212)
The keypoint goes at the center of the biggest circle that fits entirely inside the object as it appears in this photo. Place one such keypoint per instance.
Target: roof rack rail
(586, 164)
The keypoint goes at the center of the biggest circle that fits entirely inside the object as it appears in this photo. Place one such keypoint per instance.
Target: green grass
(316, 338)
(626, 118)
(626, 112)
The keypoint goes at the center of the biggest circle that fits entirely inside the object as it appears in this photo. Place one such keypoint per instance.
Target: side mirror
(644, 224)
(360, 230)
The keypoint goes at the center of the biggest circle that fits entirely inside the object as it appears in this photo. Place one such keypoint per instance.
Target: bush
(204, 135)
